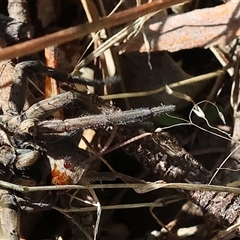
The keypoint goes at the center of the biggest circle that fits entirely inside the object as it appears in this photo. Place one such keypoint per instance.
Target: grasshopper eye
(67, 165)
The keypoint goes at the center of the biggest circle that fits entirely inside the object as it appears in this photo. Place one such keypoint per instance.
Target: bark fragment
(199, 28)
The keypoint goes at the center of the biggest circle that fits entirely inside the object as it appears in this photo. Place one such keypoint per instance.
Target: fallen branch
(162, 156)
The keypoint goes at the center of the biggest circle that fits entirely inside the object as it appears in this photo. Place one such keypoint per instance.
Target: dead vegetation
(135, 181)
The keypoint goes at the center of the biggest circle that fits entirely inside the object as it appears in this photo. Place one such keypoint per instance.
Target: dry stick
(199, 78)
(162, 155)
(162, 203)
(72, 33)
(140, 187)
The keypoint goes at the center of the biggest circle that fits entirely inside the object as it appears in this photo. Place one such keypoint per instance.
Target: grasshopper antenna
(36, 66)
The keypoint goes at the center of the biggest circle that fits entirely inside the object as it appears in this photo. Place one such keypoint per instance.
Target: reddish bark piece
(199, 28)
(51, 87)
